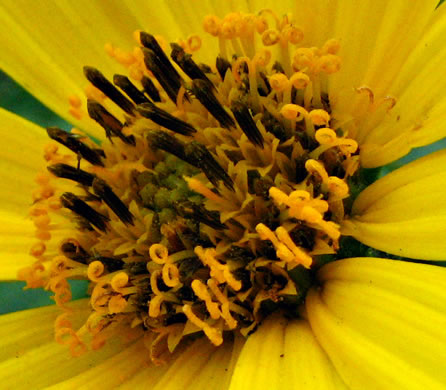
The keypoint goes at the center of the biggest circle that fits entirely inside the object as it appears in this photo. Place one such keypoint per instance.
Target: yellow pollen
(192, 212)
(213, 334)
(270, 37)
(299, 80)
(279, 82)
(294, 112)
(319, 117)
(201, 292)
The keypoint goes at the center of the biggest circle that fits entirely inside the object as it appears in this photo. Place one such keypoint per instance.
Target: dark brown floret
(150, 89)
(203, 92)
(246, 123)
(222, 66)
(111, 125)
(163, 118)
(72, 142)
(127, 86)
(79, 207)
(68, 172)
(100, 82)
(186, 63)
(169, 79)
(103, 190)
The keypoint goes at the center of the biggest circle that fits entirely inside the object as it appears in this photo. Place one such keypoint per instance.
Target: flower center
(211, 201)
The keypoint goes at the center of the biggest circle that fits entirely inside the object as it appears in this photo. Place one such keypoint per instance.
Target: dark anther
(163, 118)
(203, 92)
(164, 141)
(151, 43)
(304, 236)
(177, 318)
(103, 190)
(73, 250)
(112, 126)
(127, 86)
(272, 125)
(193, 153)
(301, 172)
(198, 156)
(100, 82)
(150, 89)
(111, 264)
(222, 66)
(246, 123)
(68, 172)
(79, 207)
(168, 77)
(200, 214)
(278, 68)
(72, 142)
(187, 64)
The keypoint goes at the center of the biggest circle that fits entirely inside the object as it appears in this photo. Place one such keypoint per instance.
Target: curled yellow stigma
(214, 186)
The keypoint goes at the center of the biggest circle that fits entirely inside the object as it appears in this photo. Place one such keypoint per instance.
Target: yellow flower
(210, 220)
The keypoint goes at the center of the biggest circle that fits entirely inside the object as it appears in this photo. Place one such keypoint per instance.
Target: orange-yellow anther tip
(319, 117)
(278, 82)
(293, 111)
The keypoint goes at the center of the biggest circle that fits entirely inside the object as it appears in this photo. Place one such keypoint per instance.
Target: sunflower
(220, 193)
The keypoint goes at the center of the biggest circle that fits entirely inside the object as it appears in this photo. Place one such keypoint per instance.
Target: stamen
(111, 125)
(104, 191)
(150, 89)
(223, 66)
(127, 86)
(167, 142)
(68, 172)
(200, 214)
(73, 250)
(151, 43)
(203, 92)
(186, 63)
(72, 143)
(198, 156)
(163, 118)
(246, 123)
(100, 82)
(168, 77)
(213, 334)
(79, 207)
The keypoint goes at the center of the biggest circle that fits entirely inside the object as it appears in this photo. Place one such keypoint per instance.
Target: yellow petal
(16, 239)
(201, 366)
(404, 213)
(284, 355)
(45, 46)
(418, 116)
(116, 370)
(370, 32)
(29, 358)
(21, 156)
(382, 322)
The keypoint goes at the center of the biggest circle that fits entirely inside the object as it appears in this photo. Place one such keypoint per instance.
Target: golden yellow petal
(114, 371)
(201, 366)
(370, 32)
(404, 213)
(284, 355)
(16, 239)
(418, 116)
(29, 358)
(20, 159)
(379, 328)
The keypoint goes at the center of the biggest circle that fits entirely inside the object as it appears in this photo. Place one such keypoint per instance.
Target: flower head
(212, 218)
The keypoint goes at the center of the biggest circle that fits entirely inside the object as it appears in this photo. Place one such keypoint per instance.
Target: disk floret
(215, 193)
